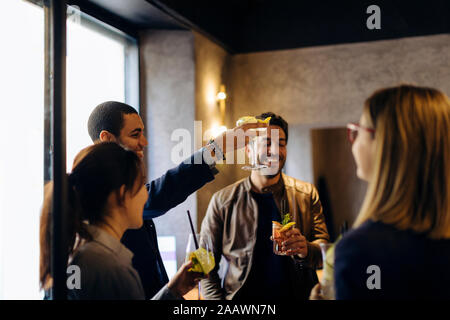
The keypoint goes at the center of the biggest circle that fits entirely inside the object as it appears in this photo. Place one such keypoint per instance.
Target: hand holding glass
(203, 257)
(279, 236)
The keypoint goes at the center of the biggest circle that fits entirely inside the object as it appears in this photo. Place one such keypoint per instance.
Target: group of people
(401, 147)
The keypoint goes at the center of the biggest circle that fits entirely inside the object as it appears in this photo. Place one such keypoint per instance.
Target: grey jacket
(231, 221)
(106, 271)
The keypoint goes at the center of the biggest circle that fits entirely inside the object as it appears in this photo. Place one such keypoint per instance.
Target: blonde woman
(400, 245)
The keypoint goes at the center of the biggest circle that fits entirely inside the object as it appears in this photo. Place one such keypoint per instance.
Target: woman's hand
(184, 281)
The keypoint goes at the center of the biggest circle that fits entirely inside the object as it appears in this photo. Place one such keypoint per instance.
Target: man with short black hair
(118, 122)
(239, 221)
(108, 116)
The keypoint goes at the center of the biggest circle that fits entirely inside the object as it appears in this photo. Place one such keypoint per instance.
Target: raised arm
(177, 184)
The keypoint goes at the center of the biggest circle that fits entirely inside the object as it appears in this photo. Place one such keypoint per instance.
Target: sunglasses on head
(353, 129)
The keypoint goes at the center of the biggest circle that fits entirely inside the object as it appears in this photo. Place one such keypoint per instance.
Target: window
(97, 71)
(21, 145)
(101, 65)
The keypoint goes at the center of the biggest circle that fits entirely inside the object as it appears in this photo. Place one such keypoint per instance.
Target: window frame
(56, 16)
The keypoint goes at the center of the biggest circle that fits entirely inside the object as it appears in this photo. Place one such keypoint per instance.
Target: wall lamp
(221, 98)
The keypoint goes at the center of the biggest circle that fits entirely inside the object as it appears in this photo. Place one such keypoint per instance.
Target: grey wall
(168, 103)
(299, 162)
(334, 169)
(328, 85)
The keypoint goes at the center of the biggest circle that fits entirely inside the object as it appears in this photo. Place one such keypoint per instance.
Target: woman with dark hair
(107, 194)
(400, 245)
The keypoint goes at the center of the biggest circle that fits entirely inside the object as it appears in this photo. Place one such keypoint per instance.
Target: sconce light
(215, 131)
(221, 97)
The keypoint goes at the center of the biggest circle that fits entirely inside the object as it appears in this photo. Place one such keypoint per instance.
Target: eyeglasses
(352, 131)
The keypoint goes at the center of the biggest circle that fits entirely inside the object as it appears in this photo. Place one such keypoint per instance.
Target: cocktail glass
(278, 238)
(327, 281)
(255, 160)
(205, 242)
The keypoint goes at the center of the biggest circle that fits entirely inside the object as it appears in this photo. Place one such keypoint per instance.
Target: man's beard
(271, 176)
(268, 172)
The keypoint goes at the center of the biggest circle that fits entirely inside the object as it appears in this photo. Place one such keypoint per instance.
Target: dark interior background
(242, 26)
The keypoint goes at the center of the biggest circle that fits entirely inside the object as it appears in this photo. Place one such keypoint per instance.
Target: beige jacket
(231, 221)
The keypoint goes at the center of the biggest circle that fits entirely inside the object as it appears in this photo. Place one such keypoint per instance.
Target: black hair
(108, 116)
(103, 169)
(276, 120)
(98, 171)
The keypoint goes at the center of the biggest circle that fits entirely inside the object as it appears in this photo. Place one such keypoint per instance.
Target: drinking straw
(196, 247)
(193, 231)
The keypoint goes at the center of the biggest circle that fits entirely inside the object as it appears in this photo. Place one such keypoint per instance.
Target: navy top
(164, 193)
(268, 278)
(411, 266)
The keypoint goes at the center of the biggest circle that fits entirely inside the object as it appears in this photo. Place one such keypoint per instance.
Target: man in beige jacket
(239, 221)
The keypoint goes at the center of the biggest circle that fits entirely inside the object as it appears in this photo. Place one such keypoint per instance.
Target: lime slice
(287, 226)
(203, 261)
(251, 119)
(246, 119)
(266, 120)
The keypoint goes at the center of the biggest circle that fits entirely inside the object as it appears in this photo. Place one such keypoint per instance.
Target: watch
(218, 151)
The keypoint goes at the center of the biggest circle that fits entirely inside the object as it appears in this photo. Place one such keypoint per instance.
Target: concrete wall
(341, 191)
(299, 162)
(328, 85)
(168, 103)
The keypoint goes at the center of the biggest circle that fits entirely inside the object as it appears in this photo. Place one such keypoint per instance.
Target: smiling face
(271, 153)
(132, 134)
(363, 150)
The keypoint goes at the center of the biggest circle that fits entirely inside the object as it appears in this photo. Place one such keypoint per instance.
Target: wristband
(217, 149)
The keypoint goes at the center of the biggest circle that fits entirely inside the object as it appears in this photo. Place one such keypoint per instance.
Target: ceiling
(130, 16)
(242, 26)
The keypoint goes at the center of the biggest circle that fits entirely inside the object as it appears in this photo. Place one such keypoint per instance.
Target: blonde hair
(410, 186)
